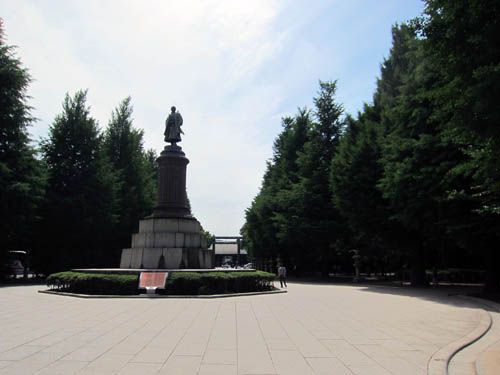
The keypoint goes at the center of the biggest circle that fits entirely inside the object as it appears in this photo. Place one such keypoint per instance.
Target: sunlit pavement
(312, 329)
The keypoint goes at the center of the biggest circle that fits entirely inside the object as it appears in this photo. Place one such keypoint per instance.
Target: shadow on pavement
(444, 294)
(16, 283)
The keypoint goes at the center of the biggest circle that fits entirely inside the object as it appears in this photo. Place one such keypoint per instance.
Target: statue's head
(172, 109)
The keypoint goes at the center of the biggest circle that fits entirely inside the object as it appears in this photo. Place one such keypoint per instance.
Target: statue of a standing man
(173, 129)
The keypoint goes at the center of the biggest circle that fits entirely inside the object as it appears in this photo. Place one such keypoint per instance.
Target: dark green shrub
(218, 282)
(93, 283)
(179, 283)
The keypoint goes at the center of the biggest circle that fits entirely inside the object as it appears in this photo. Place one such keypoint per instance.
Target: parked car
(17, 263)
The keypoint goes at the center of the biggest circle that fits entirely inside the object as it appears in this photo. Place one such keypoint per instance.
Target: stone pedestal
(171, 198)
(168, 243)
(171, 237)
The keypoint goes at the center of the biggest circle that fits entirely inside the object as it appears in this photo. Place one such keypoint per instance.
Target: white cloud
(233, 68)
(200, 56)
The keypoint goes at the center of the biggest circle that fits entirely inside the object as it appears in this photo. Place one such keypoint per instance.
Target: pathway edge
(439, 361)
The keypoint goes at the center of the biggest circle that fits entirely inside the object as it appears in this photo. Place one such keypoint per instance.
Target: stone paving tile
(416, 357)
(56, 337)
(181, 365)
(347, 353)
(108, 363)
(195, 340)
(365, 369)
(490, 360)
(328, 366)
(313, 329)
(223, 335)
(280, 344)
(220, 356)
(208, 369)
(5, 364)
(305, 342)
(32, 363)
(132, 368)
(482, 354)
(253, 354)
(389, 361)
(162, 345)
(71, 344)
(290, 362)
(20, 352)
(62, 368)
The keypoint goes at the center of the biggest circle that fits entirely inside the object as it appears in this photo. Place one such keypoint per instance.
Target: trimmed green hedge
(178, 283)
(93, 283)
(218, 282)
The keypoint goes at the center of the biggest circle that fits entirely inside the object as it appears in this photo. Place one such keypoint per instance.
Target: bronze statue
(173, 129)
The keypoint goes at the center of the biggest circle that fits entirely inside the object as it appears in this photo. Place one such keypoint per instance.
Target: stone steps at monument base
(172, 257)
(181, 225)
(168, 239)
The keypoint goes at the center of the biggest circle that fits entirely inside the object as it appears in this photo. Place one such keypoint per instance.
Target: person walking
(282, 275)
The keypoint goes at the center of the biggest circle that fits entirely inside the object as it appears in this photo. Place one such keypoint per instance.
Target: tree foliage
(134, 171)
(21, 173)
(293, 217)
(411, 182)
(462, 44)
(81, 206)
(414, 179)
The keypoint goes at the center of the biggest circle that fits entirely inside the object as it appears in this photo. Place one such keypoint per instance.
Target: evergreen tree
(286, 201)
(152, 168)
(411, 153)
(355, 173)
(293, 218)
(21, 173)
(80, 207)
(417, 175)
(462, 44)
(123, 146)
(272, 227)
(321, 224)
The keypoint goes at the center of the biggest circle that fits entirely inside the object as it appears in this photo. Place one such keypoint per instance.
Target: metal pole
(238, 243)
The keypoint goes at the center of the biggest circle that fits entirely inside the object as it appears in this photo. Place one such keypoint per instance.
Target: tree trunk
(417, 274)
(492, 281)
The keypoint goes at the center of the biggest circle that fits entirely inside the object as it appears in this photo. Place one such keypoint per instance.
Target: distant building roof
(228, 249)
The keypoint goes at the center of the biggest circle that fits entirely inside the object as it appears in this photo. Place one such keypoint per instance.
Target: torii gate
(238, 240)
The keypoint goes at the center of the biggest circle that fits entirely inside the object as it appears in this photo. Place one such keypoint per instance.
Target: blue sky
(232, 68)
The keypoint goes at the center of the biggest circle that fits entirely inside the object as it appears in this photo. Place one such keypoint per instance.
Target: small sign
(152, 280)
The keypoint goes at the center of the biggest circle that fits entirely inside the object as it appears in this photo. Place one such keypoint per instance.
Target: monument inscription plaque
(153, 280)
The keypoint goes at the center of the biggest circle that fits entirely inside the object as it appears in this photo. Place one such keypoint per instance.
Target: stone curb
(439, 361)
(154, 296)
(478, 363)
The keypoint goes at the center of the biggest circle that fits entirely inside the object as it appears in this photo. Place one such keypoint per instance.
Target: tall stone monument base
(171, 243)
(171, 238)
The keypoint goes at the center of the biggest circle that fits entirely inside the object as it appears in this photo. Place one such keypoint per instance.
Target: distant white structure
(228, 250)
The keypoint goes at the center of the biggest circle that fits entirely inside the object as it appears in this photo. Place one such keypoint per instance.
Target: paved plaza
(312, 329)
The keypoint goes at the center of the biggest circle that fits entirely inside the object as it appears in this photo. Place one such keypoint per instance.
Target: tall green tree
(123, 146)
(391, 176)
(292, 217)
(415, 156)
(462, 44)
(272, 227)
(416, 175)
(286, 203)
(321, 223)
(80, 207)
(21, 173)
(355, 172)
(152, 167)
